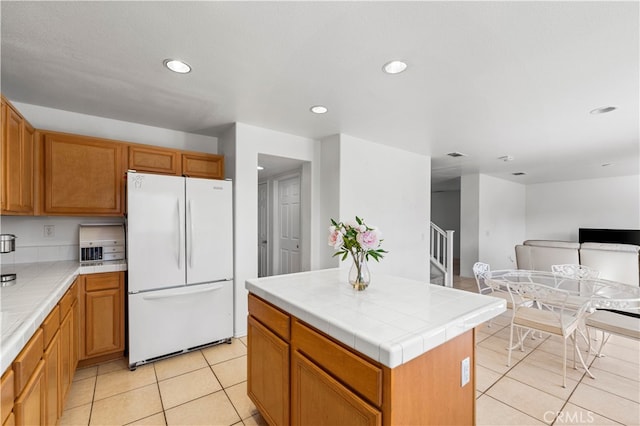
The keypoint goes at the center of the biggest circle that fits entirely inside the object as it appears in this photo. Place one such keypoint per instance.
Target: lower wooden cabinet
(102, 312)
(7, 394)
(319, 399)
(268, 373)
(29, 407)
(66, 361)
(51, 358)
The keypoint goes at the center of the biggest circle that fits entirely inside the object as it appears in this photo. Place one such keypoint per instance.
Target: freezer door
(209, 230)
(167, 321)
(155, 231)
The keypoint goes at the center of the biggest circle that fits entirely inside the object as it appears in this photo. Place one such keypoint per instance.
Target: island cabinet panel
(67, 360)
(154, 160)
(268, 373)
(7, 395)
(82, 175)
(17, 162)
(319, 399)
(353, 370)
(102, 313)
(210, 166)
(26, 362)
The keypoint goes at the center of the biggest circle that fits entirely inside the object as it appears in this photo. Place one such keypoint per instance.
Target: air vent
(518, 173)
(456, 154)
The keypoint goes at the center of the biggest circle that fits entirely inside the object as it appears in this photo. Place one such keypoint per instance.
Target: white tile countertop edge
(393, 321)
(37, 290)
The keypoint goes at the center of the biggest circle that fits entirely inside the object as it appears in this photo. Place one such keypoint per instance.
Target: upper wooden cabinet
(81, 175)
(17, 162)
(155, 160)
(209, 166)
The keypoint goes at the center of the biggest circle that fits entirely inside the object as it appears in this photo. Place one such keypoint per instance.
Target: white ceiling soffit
(484, 78)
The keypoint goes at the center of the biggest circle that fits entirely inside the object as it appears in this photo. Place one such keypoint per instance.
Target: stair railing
(441, 252)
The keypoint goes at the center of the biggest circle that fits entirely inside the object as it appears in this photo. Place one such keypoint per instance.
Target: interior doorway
(281, 207)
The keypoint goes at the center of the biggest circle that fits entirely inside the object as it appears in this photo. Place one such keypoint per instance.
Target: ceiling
(486, 79)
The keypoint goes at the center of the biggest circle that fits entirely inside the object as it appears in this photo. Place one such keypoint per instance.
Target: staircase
(441, 256)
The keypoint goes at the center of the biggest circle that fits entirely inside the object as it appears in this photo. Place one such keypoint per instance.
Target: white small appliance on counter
(100, 242)
(180, 264)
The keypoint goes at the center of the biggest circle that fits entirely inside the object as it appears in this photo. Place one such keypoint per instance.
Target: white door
(289, 225)
(209, 230)
(155, 231)
(263, 228)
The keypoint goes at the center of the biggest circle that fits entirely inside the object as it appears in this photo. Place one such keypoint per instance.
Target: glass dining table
(597, 292)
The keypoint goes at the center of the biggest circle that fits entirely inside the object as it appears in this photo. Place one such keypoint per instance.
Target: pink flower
(335, 238)
(369, 239)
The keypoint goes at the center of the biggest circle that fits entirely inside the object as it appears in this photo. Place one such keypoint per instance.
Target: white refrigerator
(180, 264)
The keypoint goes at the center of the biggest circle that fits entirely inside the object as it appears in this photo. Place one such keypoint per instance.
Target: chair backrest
(575, 271)
(548, 298)
(481, 271)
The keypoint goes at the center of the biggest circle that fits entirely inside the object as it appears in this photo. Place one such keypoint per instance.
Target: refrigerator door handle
(190, 236)
(179, 233)
(181, 292)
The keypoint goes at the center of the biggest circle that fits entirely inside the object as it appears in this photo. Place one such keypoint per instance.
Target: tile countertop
(393, 321)
(37, 290)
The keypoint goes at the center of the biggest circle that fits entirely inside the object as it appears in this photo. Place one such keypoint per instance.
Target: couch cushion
(550, 243)
(615, 265)
(630, 248)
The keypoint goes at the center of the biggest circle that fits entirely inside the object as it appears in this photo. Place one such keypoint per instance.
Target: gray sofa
(616, 262)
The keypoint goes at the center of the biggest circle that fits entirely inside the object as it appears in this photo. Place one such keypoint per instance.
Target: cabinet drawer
(26, 362)
(105, 281)
(7, 393)
(351, 369)
(272, 317)
(50, 325)
(67, 300)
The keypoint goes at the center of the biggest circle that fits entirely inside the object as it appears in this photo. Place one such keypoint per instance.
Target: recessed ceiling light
(394, 67)
(176, 65)
(603, 110)
(518, 173)
(318, 109)
(456, 154)
(260, 168)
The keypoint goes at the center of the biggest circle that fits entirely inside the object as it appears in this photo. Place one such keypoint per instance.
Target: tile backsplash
(34, 245)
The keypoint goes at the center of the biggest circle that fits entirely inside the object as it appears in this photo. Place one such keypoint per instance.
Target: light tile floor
(208, 387)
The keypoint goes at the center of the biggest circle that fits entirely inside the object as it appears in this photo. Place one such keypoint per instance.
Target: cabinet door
(268, 373)
(104, 314)
(30, 405)
(318, 399)
(17, 159)
(65, 367)
(51, 359)
(209, 166)
(82, 176)
(155, 160)
(7, 394)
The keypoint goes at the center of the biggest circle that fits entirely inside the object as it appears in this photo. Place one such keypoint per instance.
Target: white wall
(241, 147)
(445, 213)
(329, 197)
(389, 188)
(501, 221)
(556, 210)
(469, 223)
(43, 118)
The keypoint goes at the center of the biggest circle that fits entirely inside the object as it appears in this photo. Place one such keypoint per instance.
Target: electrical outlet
(465, 372)
(49, 231)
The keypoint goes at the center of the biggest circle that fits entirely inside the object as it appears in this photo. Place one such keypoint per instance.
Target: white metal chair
(550, 314)
(575, 271)
(616, 322)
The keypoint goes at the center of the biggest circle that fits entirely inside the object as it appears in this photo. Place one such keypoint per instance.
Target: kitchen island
(400, 352)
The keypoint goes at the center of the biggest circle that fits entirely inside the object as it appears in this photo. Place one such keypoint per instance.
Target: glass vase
(359, 276)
